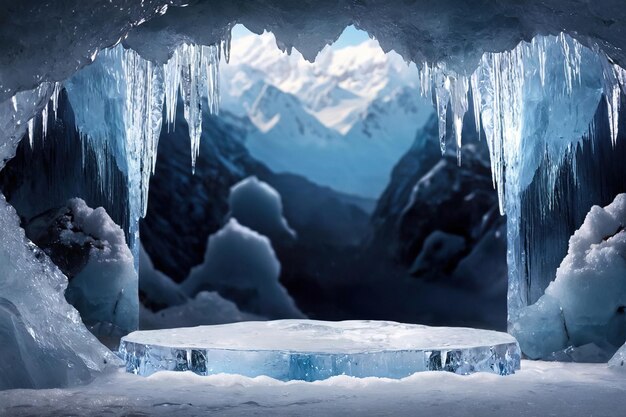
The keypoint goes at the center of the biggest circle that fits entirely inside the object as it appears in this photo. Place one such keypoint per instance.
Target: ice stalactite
(17, 117)
(194, 71)
(118, 102)
(534, 102)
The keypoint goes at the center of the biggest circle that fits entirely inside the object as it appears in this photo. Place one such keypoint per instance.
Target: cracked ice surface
(314, 350)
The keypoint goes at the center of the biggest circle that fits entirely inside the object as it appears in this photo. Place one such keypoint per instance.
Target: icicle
(118, 104)
(426, 80)
(442, 97)
(193, 70)
(190, 81)
(211, 58)
(55, 99)
(459, 87)
(171, 72)
(31, 132)
(476, 101)
(226, 46)
(44, 122)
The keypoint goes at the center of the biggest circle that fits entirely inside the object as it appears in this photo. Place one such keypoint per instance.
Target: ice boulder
(91, 250)
(258, 206)
(586, 302)
(241, 265)
(43, 340)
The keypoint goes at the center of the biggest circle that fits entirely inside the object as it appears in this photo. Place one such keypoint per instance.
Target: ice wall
(585, 303)
(536, 103)
(44, 343)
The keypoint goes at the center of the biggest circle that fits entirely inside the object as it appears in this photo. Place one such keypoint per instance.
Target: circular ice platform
(313, 350)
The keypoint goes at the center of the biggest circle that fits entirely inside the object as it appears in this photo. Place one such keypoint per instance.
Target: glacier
(315, 350)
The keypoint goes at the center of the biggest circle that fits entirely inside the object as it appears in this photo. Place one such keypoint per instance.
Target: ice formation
(536, 101)
(105, 290)
(17, 117)
(118, 104)
(314, 350)
(90, 249)
(256, 205)
(44, 342)
(241, 265)
(585, 303)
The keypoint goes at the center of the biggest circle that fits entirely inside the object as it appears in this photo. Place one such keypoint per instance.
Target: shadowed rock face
(432, 204)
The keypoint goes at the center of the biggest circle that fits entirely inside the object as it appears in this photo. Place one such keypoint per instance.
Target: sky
(350, 36)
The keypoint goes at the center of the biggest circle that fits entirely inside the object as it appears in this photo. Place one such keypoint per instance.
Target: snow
(105, 290)
(342, 121)
(155, 286)
(241, 265)
(312, 336)
(45, 343)
(539, 388)
(91, 249)
(585, 302)
(256, 205)
(206, 308)
(175, 308)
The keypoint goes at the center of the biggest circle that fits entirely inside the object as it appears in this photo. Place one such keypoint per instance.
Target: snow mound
(155, 287)
(258, 206)
(206, 308)
(241, 265)
(44, 342)
(105, 290)
(585, 303)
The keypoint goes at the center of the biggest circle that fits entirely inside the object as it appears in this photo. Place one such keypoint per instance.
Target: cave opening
(530, 126)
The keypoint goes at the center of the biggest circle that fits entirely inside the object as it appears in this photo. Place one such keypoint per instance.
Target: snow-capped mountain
(342, 121)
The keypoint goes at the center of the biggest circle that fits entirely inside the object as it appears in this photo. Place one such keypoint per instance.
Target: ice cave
(255, 207)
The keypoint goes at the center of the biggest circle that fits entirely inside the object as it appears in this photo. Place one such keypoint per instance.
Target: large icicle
(534, 103)
(193, 70)
(118, 104)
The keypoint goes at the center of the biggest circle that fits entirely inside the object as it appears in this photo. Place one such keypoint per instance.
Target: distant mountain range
(343, 121)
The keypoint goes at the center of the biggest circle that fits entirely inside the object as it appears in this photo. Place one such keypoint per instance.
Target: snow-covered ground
(539, 389)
